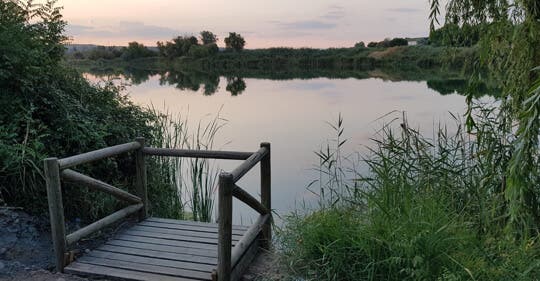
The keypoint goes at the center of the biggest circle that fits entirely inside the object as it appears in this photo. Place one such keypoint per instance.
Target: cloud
(307, 25)
(335, 12)
(123, 29)
(404, 10)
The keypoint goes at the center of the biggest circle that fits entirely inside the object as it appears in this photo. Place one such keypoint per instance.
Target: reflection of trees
(463, 87)
(235, 85)
(191, 81)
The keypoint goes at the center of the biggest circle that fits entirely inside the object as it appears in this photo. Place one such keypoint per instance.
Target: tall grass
(183, 187)
(430, 208)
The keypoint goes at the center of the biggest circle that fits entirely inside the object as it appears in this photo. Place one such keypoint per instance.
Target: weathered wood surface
(78, 178)
(97, 154)
(266, 195)
(140, 178)
(226, 185)
(245, 197)
(56, 210)
(251, 235)
(145, 252)
(102, 223)
(249, 163)
(230, 155)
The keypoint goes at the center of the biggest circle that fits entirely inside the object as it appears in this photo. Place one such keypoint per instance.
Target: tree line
(197, 47)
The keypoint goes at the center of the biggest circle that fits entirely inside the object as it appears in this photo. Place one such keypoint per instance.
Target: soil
(26, 251)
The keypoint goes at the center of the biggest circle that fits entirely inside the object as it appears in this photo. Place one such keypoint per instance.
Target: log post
(226, 185)
(140, 182)
(56, 210)
(266, 198)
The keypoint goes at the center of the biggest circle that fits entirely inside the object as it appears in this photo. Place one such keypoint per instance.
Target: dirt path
(26, 251)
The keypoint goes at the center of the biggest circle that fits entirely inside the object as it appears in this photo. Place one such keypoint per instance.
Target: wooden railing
(230, 260)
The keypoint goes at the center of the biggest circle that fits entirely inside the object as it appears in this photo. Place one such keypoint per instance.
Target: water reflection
(291, 114)
(444, 83)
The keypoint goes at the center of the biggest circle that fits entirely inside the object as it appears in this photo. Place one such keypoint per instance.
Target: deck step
(157, 249)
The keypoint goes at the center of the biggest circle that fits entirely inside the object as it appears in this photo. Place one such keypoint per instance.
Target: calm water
(292, 116)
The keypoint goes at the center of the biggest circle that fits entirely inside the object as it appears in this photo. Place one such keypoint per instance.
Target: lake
(293, 116)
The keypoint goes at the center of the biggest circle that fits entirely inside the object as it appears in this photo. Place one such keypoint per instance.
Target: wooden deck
(162, 249)
(158, 249)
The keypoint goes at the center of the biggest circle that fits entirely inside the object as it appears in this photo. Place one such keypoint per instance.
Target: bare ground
(26, 251)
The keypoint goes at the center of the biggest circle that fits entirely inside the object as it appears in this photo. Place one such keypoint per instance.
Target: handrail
(228, 257)
(92, 183)
(248, 238)
(249, 163)
(231, 155)
(245, 197)
(108, 220)
(97, 154)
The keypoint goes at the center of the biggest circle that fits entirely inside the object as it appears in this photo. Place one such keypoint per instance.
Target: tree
(208, 37)
(136, 50)
(235, 41)
(372, 44)
(360, 45)
(509, 44)
(179, 46)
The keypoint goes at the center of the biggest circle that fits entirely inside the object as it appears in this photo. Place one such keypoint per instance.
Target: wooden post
(266, 198)
(56, 210)
(140, 183)
(226, 184)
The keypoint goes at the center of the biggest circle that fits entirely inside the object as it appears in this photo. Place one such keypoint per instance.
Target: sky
(268, 23)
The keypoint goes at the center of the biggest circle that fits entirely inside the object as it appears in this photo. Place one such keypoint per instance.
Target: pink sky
(300, 23)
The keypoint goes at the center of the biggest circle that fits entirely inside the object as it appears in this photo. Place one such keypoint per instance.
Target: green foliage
(428, 209)
(509, 47)
(235, 42)
(208, 37)
(372, 44)
(360, 45)
(49, 110)
(456, 36)
(136, 50)
(202, 51)
(178, 47)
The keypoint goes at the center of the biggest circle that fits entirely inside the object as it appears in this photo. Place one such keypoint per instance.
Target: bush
(429, 209)
(48, 110)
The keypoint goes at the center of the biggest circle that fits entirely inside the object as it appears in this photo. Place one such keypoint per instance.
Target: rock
(60, 279)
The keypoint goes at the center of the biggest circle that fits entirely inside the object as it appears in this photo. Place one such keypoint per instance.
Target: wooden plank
(166, 242)
(226, 184)
(164, 248)
(182, 256)
(194, 223)
(105, 271)
(248, 238)
(188, 227)
(140, 267)
(192, 266)
(248, 164)
(231, 155)
(98, 185)
(56, 210)
(202, 240)
(249, 200)
(108, 220)
(266, 195)
(140, 178)
(181, 232)
(245, 261)
(97, 154)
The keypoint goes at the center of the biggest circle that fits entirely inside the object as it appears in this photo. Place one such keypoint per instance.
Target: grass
(183, 188)
(430, 208)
